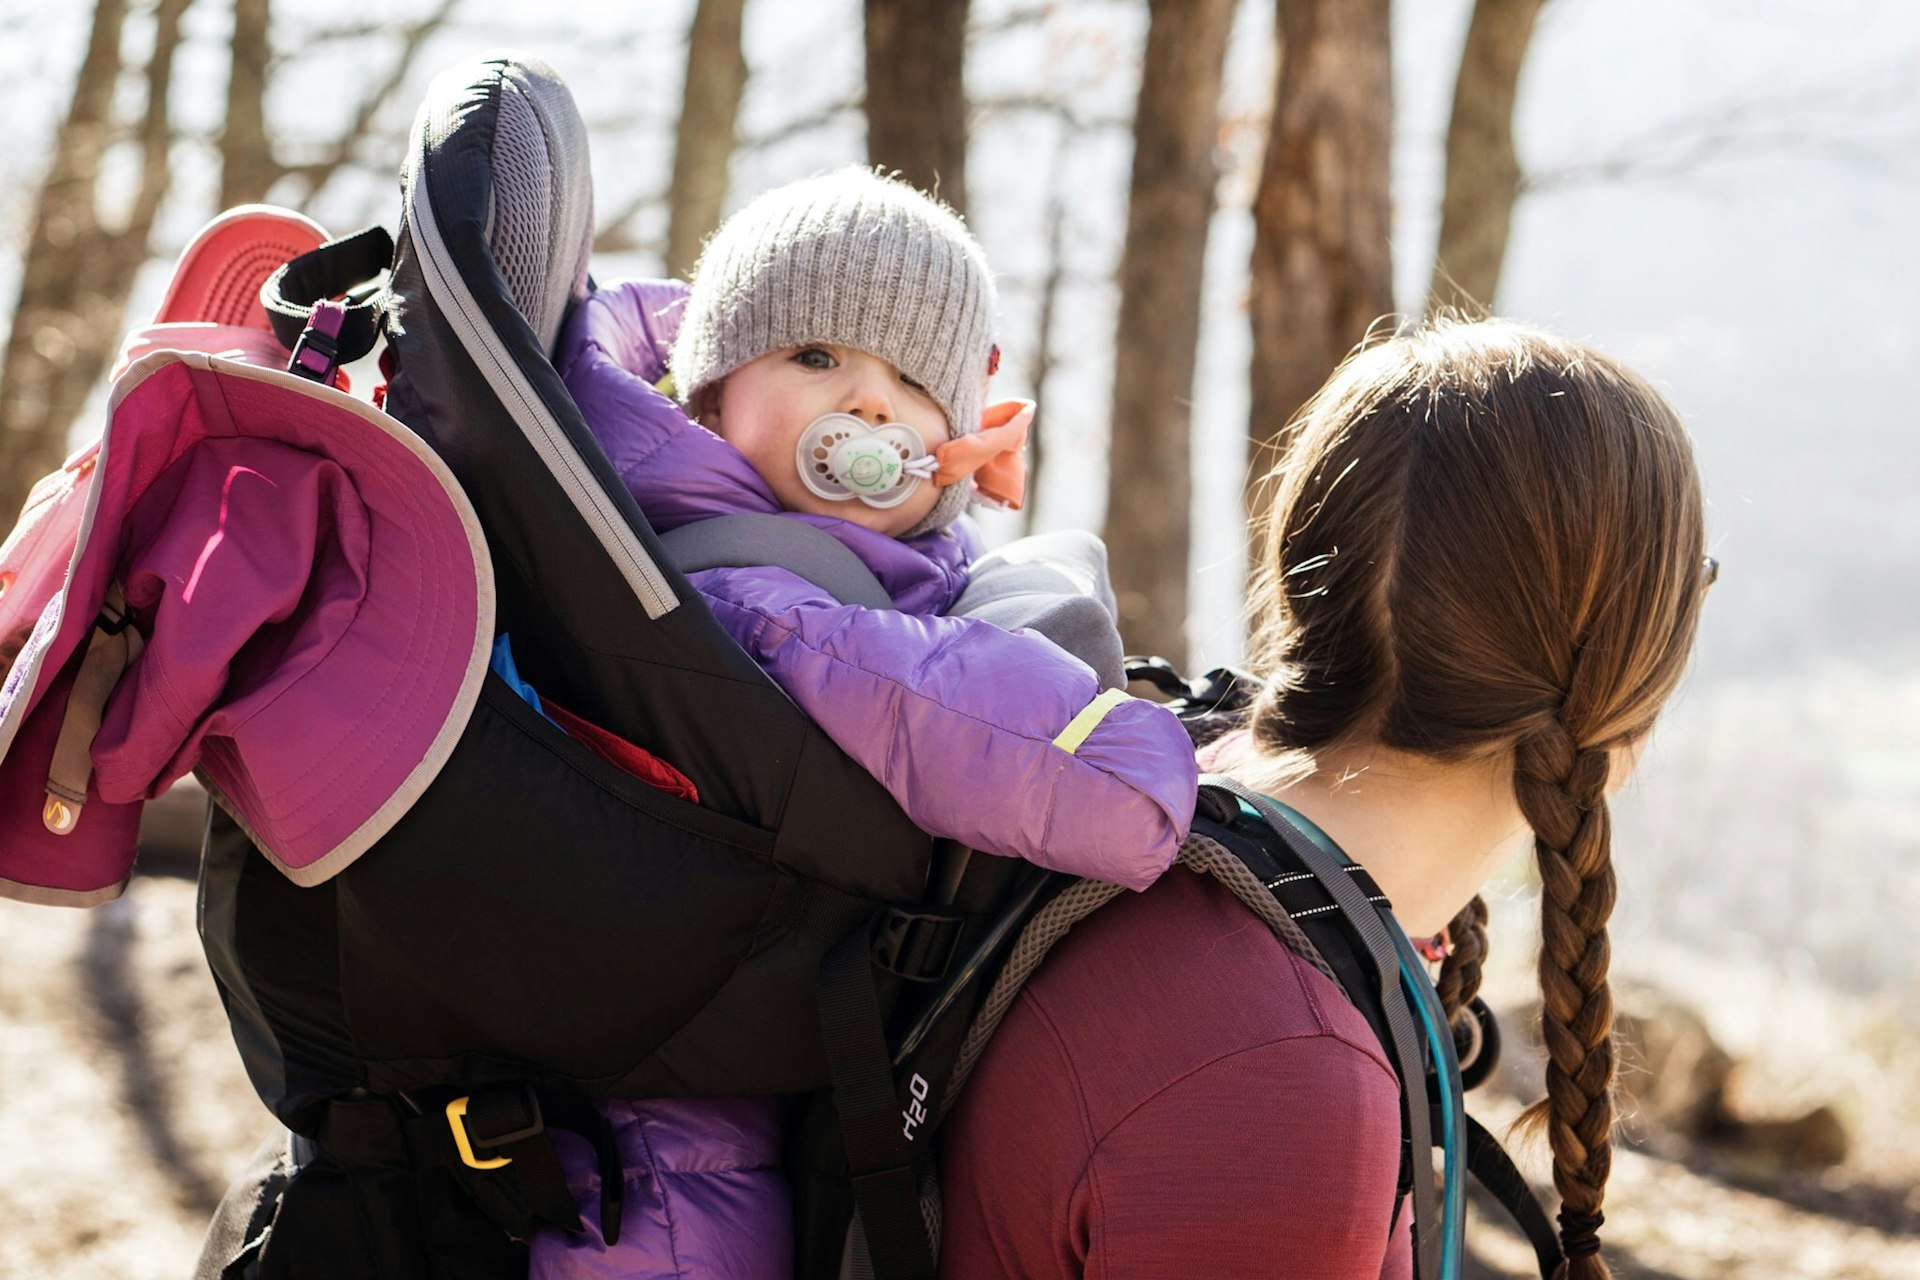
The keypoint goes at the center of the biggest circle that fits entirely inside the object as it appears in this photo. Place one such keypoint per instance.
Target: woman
(1480, 583)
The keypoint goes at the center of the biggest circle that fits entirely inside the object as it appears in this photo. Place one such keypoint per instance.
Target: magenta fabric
(1175, 1093)
(315, 601)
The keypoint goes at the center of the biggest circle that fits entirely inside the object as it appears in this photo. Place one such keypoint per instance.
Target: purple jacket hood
(612, 353)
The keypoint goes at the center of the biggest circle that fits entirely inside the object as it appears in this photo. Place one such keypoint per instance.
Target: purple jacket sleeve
(957, 719)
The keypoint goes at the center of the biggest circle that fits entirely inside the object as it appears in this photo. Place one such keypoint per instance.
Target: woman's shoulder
(1182, 978)
(1171, 1040)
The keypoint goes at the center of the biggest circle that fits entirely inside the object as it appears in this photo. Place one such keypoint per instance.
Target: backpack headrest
(539, 218)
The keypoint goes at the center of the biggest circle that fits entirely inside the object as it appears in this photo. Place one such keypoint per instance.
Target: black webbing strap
(334, 269)
(508, 1167)
(1409, 1060)
(1489, 1163)
(882, 1164)
(576, 1114)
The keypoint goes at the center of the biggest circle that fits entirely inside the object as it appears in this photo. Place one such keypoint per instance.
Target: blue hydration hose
(1433, 1020)
(1453, 1109)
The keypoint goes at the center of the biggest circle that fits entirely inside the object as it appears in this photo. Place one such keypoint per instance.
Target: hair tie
(1580, 1233)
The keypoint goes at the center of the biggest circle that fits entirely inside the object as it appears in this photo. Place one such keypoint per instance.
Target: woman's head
(1486, 543)
(847, 262)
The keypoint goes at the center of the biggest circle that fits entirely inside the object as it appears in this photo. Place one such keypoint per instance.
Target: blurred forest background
(1195, 208)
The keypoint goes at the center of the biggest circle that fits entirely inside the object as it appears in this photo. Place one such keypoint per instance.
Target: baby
(830, 363)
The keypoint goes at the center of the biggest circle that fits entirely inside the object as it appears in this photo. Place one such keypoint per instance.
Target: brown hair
(1486, 540)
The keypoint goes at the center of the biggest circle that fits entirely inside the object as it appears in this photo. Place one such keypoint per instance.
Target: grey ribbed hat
(852, 258)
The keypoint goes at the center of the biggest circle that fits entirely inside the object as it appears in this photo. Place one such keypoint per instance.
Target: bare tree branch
(247, 165)
(76, 273)
(155, 135)
(617, 235)
(831, 114)
(413, 40)
(1753, 126)
(1040, 104)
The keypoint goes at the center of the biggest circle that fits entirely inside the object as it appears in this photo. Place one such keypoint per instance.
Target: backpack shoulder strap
(762, 538)
(1387, 992)
(1234, 864)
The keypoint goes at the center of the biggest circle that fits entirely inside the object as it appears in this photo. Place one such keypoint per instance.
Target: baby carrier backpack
(539, 929)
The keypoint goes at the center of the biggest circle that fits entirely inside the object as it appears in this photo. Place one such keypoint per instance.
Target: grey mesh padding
(540, 218)
(1081, 899)
(1056, 584)
(530, 84)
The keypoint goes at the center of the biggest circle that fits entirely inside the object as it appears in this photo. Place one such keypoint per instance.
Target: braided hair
(1486, 544)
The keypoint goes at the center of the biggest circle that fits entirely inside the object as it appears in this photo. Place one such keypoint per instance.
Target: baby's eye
(917, 386)
(814, 358)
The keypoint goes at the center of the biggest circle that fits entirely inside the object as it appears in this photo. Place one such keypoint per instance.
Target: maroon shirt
(1176, 1094)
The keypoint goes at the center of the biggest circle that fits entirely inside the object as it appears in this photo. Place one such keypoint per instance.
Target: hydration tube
(1453, 1111)
(1433, 1021)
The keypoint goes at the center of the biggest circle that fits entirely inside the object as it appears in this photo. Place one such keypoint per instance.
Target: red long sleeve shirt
(1175, 1094)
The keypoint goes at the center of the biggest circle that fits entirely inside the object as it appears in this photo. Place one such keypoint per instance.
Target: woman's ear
(1625, 759)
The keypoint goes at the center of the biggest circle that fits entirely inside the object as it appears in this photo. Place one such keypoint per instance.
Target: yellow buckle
(456, 1121)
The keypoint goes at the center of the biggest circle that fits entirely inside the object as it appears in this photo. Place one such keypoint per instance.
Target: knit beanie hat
(858, 260)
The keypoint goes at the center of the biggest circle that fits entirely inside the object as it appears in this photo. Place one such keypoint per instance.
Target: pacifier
(841, 458)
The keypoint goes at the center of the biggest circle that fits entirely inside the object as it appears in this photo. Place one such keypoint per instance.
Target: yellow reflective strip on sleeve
(665, 386)
(1088, 720)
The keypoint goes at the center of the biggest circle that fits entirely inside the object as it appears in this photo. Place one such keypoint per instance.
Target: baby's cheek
(918, 507)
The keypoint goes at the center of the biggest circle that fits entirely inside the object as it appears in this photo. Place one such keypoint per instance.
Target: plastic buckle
(317, 354)
(1159, 673)
(113, 621)
(916, 945)
(457, 1122)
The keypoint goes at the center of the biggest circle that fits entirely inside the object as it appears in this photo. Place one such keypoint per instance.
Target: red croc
(218, 277)
(213, 302)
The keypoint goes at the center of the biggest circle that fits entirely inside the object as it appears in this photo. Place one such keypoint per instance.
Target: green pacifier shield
(842, 459)
(866, 464)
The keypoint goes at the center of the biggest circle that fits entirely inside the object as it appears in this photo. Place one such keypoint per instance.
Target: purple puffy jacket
(955, 717)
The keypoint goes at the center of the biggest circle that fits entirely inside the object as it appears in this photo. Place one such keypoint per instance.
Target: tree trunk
(917, 93)
(247, 166)
(1169, 207)
(703, 142)
(76, 274)
(1322, 272)
(1483, 174)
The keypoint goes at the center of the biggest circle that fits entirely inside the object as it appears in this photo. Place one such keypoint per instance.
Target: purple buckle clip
(317, 354)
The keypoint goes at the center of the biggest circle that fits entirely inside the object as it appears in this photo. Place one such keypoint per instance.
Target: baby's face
(762, 408)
